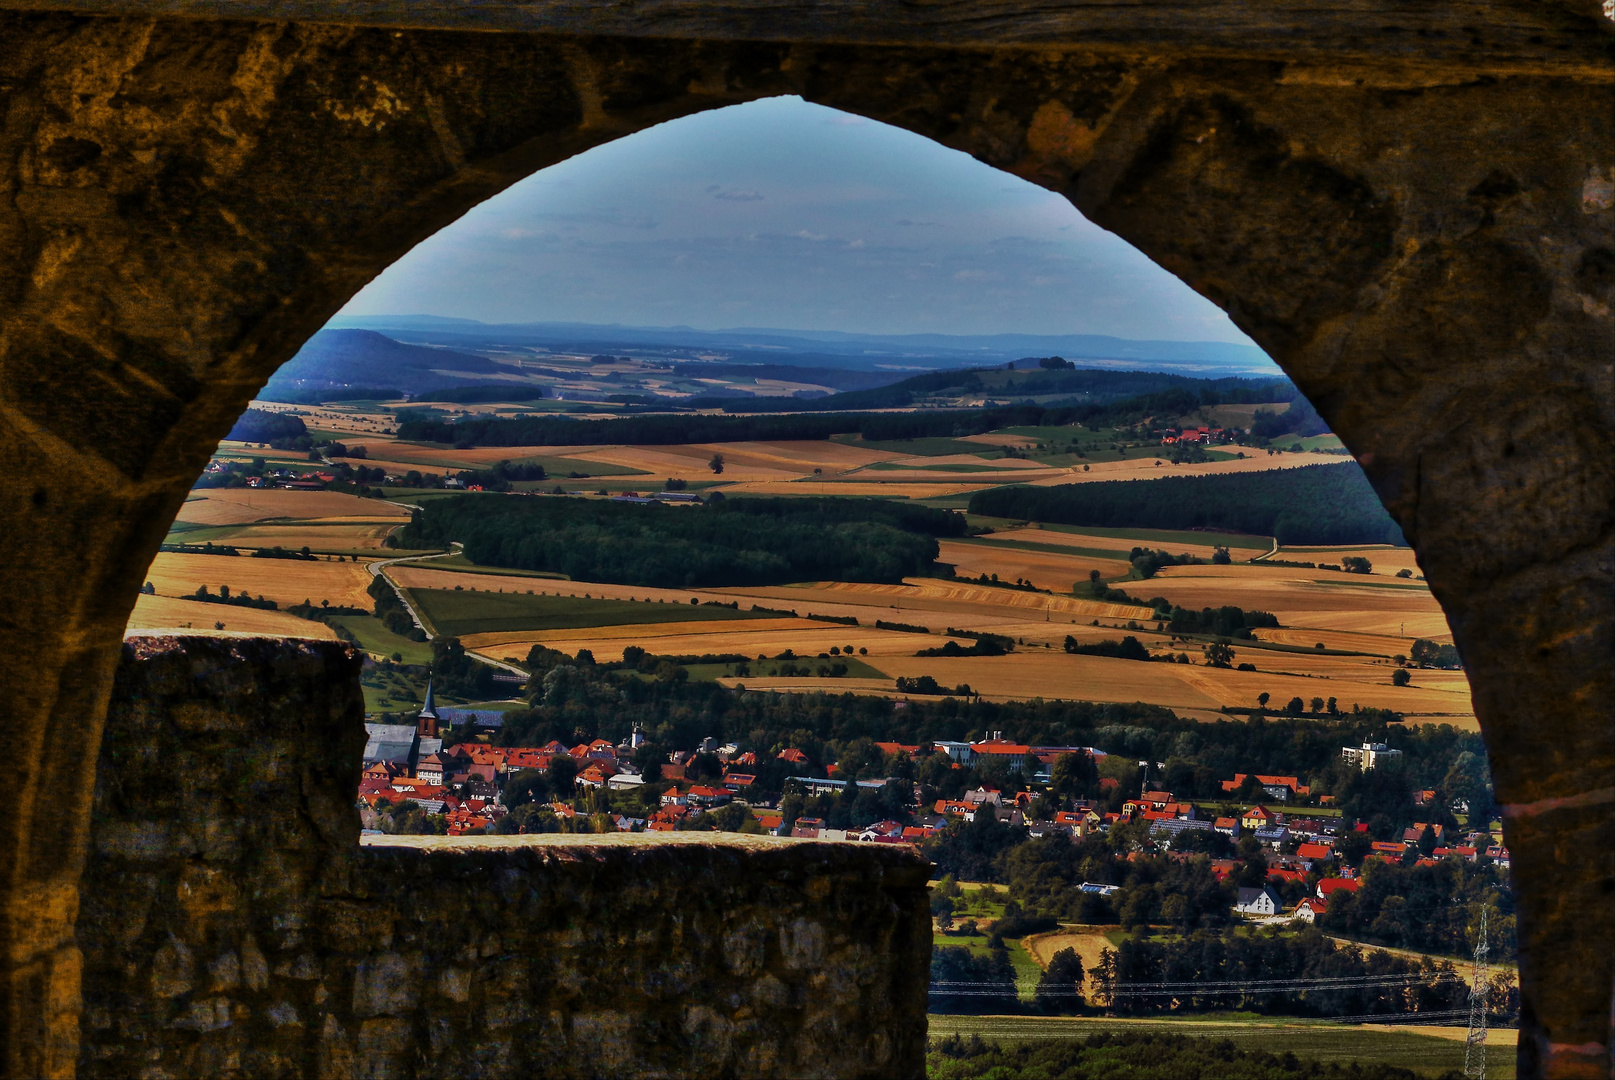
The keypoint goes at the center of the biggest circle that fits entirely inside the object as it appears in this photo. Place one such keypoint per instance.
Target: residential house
(1263, 901)
(1257, 817)
(1283, 788)
(1311, 854)
(708, 797)
(1309, 910)
(794, 757)
(673, 797)
(1328, 886)
(1273, 836)
(738, 782)
(430, 769)
(1227, 826)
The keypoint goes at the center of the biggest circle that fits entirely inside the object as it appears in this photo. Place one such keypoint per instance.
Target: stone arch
(1423, 245)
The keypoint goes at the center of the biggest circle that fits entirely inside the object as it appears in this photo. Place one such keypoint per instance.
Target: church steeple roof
(430, 708)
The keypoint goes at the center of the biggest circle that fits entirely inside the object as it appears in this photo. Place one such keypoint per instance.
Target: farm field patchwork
(1046, 570)
(190, 616)
(458, 612)
(285, 581)
(240, 506)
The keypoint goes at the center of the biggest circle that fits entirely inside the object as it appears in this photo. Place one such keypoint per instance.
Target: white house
(1261, 901)
(1308, 910)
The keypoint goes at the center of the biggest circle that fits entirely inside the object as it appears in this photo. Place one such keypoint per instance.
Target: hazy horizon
(779, 214)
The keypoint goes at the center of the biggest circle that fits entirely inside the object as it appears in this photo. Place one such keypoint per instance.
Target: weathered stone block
(415, 956)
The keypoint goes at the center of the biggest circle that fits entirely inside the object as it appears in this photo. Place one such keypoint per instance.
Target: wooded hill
(733, 542)
(1315, 504)
(666, 429)
(1087, 386)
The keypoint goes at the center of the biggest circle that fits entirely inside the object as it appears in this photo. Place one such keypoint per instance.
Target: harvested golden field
(1088, 942)
(1053, 674)
(950, 476)
(238, 506)
(690, 462)
(935, 594)
(285, 581)
(1035, 534)
(1387, 560)
(332, 535)
(1285, 590)
(748, 637)
(171, 613)
(1046, 570)
(1144, 467)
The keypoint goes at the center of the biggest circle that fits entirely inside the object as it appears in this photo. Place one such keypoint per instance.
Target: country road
(377, 569)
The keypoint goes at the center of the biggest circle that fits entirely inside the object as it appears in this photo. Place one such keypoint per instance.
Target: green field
(457, 612)
(375, 638)
(856, 668)
(1426, 1054)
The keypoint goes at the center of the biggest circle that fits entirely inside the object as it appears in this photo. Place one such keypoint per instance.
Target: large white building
(1369, 755)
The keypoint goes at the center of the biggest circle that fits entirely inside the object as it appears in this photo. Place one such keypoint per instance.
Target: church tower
(426, 723)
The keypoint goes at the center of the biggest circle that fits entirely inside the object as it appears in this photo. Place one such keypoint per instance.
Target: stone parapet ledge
(234, 922)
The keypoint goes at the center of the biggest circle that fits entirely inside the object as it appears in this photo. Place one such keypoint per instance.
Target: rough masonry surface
(233, 925)
(1411, 207)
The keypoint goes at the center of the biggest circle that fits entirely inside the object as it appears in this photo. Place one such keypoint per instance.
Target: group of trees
(1227, 621)
(280, 430)
(735, 542)
(1238, 956)
(391, 611)
(1128, 1054)
(1426, 908)
(1317, 504)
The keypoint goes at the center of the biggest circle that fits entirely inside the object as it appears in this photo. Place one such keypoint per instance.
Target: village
(462, 786)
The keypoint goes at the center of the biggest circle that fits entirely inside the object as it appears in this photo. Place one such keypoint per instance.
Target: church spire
(426, 722)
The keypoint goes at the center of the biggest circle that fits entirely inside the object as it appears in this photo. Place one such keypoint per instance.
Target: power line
(1475, 1046)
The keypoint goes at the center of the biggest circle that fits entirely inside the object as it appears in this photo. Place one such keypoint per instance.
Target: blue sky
(789, 215)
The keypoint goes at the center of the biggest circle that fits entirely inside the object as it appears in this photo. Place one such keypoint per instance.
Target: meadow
(1430, 1051)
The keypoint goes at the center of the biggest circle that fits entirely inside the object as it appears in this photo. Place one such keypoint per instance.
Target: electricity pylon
(1475, 1050)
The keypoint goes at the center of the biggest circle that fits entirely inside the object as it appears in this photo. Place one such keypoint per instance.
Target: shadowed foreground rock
(233, 925)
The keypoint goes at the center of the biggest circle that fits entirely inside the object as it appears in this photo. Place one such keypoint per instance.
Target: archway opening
(1328, 660)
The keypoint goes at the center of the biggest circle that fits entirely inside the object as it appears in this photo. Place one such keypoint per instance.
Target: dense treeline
(570, 699)
(1227, 621)
(1124, 396)
(1265, 956)
(469, 395)
(1106, 1056)
(1425, 908)
(674, 428)
(291, 395)
(1316, 504)
(733, 542)
(1300, 420)
(258, 426)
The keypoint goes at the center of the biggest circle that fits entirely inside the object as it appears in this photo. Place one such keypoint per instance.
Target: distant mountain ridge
(336, 359)
(828, 348)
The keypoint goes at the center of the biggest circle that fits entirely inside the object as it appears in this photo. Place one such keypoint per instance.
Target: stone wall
(232, 923)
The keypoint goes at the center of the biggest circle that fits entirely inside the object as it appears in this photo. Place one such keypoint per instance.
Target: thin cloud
(732, 195)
